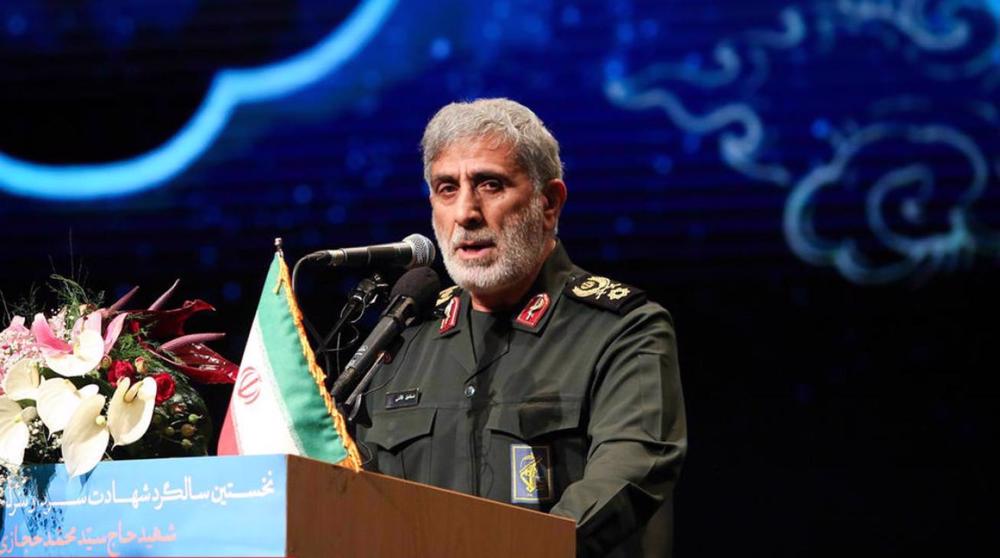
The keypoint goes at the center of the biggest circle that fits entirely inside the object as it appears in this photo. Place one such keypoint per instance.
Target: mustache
(460, 235)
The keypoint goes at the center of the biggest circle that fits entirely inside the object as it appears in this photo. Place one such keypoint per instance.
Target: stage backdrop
(809, 187)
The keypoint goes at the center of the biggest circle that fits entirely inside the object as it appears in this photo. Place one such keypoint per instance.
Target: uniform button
(470, 391)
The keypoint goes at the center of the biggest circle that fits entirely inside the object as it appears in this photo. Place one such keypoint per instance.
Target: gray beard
(519, 246)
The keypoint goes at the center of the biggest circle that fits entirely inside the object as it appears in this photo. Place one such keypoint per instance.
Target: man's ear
(554, 198)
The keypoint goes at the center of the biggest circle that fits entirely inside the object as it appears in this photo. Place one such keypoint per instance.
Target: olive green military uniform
(571, 406)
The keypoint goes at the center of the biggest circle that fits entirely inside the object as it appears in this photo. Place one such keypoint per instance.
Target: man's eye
(491, 185)
(446, 189)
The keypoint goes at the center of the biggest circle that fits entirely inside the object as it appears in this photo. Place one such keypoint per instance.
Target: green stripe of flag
(311, 423)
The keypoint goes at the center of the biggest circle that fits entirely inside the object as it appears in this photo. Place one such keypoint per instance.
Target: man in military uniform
(542, 385)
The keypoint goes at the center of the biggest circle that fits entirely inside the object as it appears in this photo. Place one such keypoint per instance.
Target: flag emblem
(280, 403)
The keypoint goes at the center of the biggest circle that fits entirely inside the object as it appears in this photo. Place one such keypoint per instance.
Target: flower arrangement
(86, 383)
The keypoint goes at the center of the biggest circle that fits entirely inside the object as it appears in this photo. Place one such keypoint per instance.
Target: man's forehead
(487, 151)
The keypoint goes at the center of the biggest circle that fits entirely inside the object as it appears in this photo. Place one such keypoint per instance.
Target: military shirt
(571, 405)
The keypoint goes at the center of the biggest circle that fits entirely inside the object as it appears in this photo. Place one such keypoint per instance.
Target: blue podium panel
(205, 506)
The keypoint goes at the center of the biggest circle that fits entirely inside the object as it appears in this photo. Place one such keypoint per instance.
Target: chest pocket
(535, 419)
(549, 436)
(402, 440)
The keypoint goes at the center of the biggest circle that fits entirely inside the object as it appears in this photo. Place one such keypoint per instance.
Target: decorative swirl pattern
(917, 224)
(919, 212)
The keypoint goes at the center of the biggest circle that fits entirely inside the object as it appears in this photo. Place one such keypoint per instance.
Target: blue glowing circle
(229, 89)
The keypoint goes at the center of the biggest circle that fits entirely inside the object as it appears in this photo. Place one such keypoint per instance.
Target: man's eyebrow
(482, 176)
(477, 177)
(443, 177)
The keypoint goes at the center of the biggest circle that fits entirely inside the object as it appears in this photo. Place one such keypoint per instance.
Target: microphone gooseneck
(411, 299)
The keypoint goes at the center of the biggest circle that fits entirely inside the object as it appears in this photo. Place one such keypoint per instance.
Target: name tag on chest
(400, 399)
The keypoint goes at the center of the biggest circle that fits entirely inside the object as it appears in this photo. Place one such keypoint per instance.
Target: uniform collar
(555, 273)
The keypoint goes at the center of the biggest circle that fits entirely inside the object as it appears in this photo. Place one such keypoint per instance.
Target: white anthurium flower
(85, 437)
(129, 414)
(85, 349)
(14, 434)
(131, 410)
(87, 352)
(58, 399)
(22, 380)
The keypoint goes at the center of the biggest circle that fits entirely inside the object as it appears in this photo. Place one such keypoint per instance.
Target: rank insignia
(446, 295)
(605, 293)
(530, 473)
(534, 311)
(450, 319)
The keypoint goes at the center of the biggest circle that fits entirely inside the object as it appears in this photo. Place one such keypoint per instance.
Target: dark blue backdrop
(810, 188)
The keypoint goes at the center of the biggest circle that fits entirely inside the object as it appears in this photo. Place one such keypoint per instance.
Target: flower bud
(186, 444)
(193, 418)
(106, 362)
(140, 365)
(188, 430)
(169, 431)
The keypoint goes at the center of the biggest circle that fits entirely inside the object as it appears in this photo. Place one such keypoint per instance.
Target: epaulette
(605, 293)
(444, 297)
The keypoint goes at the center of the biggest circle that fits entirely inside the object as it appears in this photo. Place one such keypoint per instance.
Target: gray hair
(507, 122)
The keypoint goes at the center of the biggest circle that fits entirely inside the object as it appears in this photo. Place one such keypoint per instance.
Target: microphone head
(423, 250)
(422, 285)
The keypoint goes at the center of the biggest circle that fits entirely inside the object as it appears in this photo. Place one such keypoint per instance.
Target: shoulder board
(605, 293)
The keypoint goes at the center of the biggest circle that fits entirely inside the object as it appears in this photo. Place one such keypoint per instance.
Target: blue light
(614, 68)
(232, 291)
(208, 255)
(302, 194)
(229, 89)
(571, 16)
(440, 48)
(663, 164)
(625, 33)
(649, 28)
(16, 25)
(624, 226)
(821, 128)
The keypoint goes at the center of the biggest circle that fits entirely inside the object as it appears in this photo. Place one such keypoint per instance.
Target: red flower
(134, 326)
(164, 387)
(120, 369)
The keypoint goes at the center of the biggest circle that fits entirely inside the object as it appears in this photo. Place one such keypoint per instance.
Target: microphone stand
(353, 402)
(366, 293)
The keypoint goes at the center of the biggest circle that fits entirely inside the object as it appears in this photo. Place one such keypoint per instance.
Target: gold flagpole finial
(278, 246)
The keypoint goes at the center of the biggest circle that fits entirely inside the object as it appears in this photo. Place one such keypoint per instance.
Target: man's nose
(469, 211)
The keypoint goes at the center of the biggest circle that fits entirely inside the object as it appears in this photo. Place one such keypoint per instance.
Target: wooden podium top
(336, 512)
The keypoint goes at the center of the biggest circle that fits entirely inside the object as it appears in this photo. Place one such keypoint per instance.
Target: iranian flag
(279, 402)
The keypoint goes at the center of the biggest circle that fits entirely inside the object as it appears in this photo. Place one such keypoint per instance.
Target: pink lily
(16, 326)
(85, 349)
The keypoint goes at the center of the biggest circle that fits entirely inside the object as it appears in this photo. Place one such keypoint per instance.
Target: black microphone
(413, 251)
(412, 298)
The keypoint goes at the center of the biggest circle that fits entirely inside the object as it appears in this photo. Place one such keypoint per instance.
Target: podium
(263, 505)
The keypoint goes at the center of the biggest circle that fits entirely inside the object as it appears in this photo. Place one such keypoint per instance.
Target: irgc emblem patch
(530, 473)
